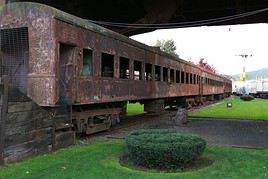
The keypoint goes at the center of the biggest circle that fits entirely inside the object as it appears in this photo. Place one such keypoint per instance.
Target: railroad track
(130, 121)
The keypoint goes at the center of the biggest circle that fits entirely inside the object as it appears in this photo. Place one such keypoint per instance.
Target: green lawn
(254, 110)
(100, 160)
(134, 109)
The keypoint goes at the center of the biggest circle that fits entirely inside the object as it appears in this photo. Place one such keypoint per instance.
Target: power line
(179, 24)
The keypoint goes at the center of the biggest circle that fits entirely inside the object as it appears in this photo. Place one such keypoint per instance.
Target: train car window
(182, 77)
(137, 70)
(124, 68)
(187, 78)
(165, 74)
(171, 75)
(191, 78)
(194, 78)
(87, 62)
(107, 65)
(148, 72)
(157, 73)
(177, 76)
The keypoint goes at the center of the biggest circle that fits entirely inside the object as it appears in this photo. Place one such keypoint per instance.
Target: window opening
(137, 70)
(87, 62)
(165, 74)
(177, 76)
(187, 78)
(171, 75)
(191, 78)
(182, 77)
(148, 71)
(157, 73)
(124, 68)
(107, 65)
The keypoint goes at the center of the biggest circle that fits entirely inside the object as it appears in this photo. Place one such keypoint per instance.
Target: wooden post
(3, 115)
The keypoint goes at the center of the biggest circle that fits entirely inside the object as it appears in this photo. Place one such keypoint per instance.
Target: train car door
(66, 73)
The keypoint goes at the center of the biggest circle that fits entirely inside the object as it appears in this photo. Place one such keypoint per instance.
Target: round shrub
(246, 97)
(163, 148)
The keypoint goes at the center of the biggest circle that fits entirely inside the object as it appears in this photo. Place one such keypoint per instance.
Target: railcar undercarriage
(89, 119)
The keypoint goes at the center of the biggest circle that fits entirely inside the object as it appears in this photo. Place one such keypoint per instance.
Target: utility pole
(243, 75)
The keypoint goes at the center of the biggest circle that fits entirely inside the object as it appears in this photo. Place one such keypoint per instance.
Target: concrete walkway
(238, 133)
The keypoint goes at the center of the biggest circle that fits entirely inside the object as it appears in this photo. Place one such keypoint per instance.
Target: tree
(203, 64)
(167, 46)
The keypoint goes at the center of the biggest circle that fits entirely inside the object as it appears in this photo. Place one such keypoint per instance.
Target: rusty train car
(68, 65)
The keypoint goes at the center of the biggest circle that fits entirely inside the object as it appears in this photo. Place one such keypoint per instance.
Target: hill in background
(251, 75)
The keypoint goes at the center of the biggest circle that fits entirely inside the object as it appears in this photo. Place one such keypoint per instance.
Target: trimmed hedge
(163, 148)
(246, 98)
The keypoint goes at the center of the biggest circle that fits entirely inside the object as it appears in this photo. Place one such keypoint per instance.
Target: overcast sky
(218, 45)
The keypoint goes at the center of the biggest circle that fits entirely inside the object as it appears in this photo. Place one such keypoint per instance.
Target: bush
(246, 97)
(163, 148)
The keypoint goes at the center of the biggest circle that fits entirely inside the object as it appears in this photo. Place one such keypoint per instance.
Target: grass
(100, 159)
(252, 110)
(135, 109)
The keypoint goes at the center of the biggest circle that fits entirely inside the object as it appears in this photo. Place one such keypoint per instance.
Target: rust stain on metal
(49, 77)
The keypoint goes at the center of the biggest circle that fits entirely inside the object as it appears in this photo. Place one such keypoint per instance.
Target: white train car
(262, 88)
(256, 88)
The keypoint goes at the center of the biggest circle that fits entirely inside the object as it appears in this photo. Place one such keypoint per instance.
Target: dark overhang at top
(130, 13)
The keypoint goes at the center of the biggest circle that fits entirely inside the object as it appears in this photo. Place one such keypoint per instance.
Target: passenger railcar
(58, 60)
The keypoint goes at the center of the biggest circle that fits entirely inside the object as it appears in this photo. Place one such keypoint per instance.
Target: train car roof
(86, 24)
